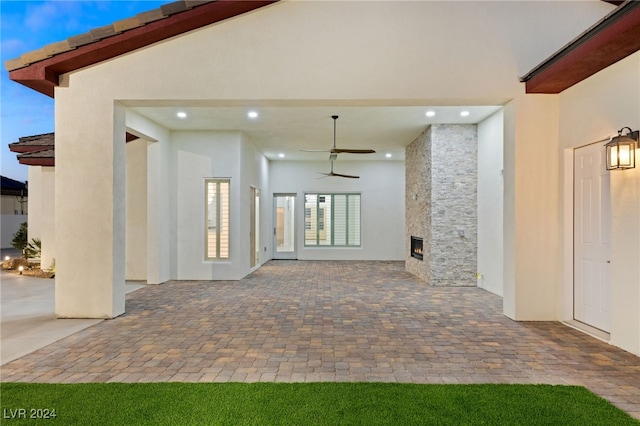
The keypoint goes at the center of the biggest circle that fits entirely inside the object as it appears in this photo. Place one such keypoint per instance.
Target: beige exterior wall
(368, 54)
(12, 206)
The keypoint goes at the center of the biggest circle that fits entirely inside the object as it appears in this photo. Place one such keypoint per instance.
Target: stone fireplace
(441, 205)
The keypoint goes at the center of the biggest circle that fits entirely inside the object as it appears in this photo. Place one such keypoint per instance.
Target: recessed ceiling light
(430, 113)
(281, 155)
(181, 114)
(388, 155)
(252, 114)
(464, 113)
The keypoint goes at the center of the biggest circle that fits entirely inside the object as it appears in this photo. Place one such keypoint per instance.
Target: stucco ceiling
(287, 130)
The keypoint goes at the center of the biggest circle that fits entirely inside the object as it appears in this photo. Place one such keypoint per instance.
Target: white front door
(592, 251)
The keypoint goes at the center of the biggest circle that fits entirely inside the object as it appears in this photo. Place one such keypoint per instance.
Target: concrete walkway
(294, 321)
(27, 319)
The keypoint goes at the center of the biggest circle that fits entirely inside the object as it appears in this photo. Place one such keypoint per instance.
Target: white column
(90, 207)
(532, 248)
(48, 216)
(136, 189)
(160, 216)
(35, 216)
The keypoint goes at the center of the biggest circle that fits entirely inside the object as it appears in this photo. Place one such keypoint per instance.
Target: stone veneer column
(454, 205)
(418, 202)
(441, 200)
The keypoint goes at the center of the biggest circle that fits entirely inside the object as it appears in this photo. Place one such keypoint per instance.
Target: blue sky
(30, 25)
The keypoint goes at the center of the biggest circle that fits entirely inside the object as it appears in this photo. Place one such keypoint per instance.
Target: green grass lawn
(304, 404)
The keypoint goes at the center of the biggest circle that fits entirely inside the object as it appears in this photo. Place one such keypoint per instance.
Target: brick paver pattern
(295, 321)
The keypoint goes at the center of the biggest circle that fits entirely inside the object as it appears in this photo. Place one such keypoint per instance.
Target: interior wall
(590, 111)
(254, 172)
(490, 203)
(209, 154)
(200, 155)
(381, 184)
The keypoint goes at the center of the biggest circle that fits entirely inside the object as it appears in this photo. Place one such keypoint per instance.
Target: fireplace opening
(416, 248)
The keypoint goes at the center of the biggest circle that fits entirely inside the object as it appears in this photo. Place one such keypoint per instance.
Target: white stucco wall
(590, 111)
(381, 184)
(308, 53)
(490, 203)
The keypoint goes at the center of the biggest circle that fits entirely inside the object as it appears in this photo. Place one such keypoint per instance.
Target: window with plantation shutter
(217, 200)
(332, 220)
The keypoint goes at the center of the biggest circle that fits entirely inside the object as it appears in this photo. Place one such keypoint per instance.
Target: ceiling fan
(335, 150)
(332, 157)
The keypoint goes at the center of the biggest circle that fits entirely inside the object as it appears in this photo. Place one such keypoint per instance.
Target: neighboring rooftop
(9, 186)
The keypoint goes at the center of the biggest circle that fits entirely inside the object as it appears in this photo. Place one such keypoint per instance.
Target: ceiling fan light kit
(335, 151)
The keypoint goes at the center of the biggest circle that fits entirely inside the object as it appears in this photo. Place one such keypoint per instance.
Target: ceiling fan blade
(345, 176)
(352, 151)
(315, 150)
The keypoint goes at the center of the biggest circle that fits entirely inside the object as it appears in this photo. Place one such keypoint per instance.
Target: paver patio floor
(296, 321)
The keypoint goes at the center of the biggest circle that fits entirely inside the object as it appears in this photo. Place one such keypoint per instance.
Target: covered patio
(295, 321)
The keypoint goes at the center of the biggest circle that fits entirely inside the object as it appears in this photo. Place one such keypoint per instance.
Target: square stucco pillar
(532, 252)
(90, 207)
(136, 229)
(47, 206)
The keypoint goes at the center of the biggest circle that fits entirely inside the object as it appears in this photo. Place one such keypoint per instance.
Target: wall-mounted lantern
(621, 151)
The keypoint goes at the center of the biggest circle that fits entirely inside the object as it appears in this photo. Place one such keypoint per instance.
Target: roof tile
(150, 16)
(126, 24)
(175, 7)
(43, 139)
(45, 153)
(14, 64)
(59, 47)
(34, 56)
(80, 40)
(103, 32)
(193, 3)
